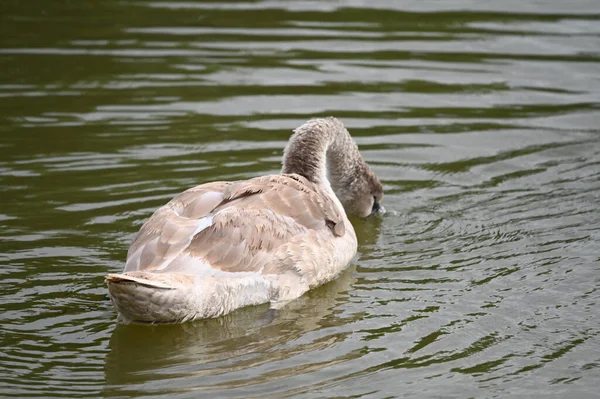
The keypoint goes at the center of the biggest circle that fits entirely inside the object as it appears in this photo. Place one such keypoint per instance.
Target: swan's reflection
(367, 232)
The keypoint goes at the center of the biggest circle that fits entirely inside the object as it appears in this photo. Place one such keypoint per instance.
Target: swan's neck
(323, 151)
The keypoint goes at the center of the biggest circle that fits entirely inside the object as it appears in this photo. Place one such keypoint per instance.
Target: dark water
(481, 118)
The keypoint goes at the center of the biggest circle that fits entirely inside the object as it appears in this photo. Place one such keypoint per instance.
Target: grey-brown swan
(225, 245)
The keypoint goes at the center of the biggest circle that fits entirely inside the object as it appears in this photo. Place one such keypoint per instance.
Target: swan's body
(225, 245)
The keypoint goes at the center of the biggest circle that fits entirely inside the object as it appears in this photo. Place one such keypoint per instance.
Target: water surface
(481, 119)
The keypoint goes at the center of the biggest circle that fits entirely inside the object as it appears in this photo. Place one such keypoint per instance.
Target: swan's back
(235, 226)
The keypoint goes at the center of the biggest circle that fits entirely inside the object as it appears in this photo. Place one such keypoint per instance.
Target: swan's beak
(378, 209)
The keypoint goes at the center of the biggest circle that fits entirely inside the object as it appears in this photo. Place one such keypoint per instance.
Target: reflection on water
(235, 344)
(481, 118)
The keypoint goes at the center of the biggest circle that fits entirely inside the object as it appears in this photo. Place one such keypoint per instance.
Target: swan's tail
(152, 297)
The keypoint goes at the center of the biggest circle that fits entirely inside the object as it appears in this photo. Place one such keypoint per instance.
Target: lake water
(482, 119)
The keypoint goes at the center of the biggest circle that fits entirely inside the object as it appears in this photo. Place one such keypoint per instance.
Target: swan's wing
(171, 228)
(235, 227)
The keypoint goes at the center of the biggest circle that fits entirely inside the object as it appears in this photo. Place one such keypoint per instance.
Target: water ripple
(481, 120)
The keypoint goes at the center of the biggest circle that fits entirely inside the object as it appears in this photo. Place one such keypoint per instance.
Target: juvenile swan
(224, 245)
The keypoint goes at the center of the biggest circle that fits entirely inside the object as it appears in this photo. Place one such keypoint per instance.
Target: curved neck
(322, 151)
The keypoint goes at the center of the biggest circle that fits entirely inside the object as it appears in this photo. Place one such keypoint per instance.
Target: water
(481, 118)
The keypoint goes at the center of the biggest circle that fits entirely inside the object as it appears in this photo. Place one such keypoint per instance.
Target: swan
(221, 246)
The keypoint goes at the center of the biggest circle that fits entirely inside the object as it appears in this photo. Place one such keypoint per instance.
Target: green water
(482, 119)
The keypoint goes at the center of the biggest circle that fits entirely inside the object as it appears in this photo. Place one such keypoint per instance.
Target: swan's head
(323, 151)
(362, 193)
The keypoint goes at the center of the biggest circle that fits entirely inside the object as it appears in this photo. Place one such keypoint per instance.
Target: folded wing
(258, 225)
